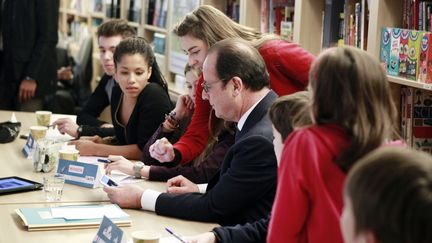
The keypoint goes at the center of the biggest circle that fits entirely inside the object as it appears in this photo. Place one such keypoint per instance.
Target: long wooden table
(14, 164)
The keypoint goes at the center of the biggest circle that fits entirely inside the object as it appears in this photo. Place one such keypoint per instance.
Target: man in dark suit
(236, 85)
(29, 31)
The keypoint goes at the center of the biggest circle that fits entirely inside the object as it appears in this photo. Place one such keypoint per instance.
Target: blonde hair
(350, 89)
(189, 68)
(210, 25)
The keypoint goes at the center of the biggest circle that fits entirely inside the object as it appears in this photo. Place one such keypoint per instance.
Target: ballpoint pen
(107, 161)
(178, 237)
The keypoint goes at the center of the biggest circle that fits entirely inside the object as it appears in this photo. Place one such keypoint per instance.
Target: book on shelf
(112, 8)
(393, 68)
(150, 11)
(264, 16)
(159, 43)
(425, 61)
(385, 48)
(163, 14)
(356, 22)
(416, 118)
(286, 31)
(96, 6)
(406, 114)
(71, 217)
(156, 12)
(134, 11)
(422, 120)
(332, 10)
(341, 34)
(233, 10)
(414, 41)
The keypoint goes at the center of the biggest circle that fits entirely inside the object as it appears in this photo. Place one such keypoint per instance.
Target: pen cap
(145, 236)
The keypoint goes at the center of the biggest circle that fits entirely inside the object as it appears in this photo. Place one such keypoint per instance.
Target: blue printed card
(79, 173)
(29, 147)
(108, 232)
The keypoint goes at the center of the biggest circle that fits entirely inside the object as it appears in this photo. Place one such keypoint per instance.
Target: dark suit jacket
(251, 232)
(29, 43)
(245, 188)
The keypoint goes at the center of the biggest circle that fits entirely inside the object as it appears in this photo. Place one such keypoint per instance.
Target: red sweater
(308, 201)
(288, 66)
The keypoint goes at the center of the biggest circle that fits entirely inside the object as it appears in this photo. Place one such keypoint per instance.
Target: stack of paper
(71, 217)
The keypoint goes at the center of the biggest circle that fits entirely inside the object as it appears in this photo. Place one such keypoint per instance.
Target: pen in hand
(178, 237)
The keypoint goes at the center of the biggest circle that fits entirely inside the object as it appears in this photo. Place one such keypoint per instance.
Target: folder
(71, 217)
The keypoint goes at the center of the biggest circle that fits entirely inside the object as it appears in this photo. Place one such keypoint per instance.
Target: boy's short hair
(391, 194)
(289, 112)
(116, 27)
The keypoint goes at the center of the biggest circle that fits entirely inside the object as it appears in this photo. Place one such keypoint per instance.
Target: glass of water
(53, 187)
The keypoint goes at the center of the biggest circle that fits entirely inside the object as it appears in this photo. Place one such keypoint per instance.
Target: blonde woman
(287, 63)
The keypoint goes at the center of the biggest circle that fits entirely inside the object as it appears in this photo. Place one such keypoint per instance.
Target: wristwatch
(79, 131)
(137, 169)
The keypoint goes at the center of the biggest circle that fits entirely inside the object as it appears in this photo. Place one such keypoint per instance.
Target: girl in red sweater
(287, 63)
(353, 113)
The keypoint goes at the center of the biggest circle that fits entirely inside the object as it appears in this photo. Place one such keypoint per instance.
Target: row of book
(407, 53)
(157, 12)
(417, 14)
(345, 23)
(416, 118)
(277, 17)
(86, 6)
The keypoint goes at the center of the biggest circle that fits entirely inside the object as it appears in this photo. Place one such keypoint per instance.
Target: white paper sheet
(70, 213)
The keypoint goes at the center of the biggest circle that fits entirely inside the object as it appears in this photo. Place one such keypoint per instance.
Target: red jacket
(288, 65)
(309, 201)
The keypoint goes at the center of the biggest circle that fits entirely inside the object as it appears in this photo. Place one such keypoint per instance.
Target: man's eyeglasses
(206, 85)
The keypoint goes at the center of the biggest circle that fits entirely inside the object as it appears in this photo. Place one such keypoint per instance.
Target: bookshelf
(307, 31)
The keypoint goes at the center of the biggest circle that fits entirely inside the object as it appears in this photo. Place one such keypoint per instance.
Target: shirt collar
(244, 117)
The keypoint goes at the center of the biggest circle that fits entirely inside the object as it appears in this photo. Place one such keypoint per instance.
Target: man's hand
(27, 90)
(126, 196)
(162, 150)
(66, 125)
(181, 185)
(208, 237)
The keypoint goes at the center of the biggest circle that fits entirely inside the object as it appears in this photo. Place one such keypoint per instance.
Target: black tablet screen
(10, 183)
(15, 184)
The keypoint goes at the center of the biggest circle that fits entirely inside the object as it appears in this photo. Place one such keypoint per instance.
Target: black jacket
(245, 188)
(29, 43)
(98, 101)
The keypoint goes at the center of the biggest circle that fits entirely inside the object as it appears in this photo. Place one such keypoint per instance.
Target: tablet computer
(14, 184)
